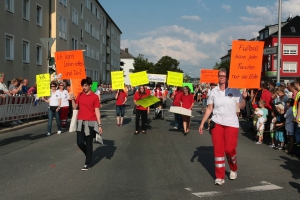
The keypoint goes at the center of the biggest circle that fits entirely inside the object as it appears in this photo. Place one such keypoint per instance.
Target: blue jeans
(204, 102)
(297, 134)
(52, 114)
(120, 110)
(178, 121)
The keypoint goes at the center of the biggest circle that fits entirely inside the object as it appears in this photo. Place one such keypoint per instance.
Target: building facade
(128, 61)
(75, 25)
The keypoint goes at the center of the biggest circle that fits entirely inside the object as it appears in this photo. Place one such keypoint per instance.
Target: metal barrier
(111, 96)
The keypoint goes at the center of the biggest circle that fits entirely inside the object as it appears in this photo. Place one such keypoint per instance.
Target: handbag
(134, 109)
(73, 124)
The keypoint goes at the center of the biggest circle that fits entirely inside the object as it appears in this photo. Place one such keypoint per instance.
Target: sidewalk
(7, 127)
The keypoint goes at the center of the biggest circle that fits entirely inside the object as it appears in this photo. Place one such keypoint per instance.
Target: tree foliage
(165, 64)
(225, 64)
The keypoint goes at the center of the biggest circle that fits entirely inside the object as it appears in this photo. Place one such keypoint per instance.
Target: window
(62, 23)
(266, 33)
(39, 15)
(26, 9)
(74, 16)
(87, 26)
(88, 51)
(289, 67)
(9, 5)
(293, 29)
(9, 47)
(88, 4)
(86, 48)
(92, 53)
(25, 51)
(81, 34)
(97, 13)
(74, 44)
(290, 49)
(92, 8)
(261, 36)
(81, 10)
(91, 29)
(63, 2)
(39, 55)
(104, 22)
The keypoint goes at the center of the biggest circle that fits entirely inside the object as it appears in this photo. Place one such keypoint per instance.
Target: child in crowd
(260, 126)
(279, 125)
(262, 104)
(272, 127)
(159, 113)
(255, 118)
(290, 125)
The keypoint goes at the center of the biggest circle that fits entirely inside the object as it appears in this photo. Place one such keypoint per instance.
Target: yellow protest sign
(139, 78)
(117, 79)
(175, 78)
(148, 101)
(43, 85)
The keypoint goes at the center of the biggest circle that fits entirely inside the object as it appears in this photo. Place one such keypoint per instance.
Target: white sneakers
(232, 175)
(58, 132)
(219, 181)
(48, 134)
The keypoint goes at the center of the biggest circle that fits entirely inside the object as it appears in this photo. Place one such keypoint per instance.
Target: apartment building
(23, 23)
(80, 24)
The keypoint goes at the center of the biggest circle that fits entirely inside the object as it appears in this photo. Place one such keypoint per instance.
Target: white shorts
(289, 133)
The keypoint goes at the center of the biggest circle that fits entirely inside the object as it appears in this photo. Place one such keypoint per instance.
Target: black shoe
(86, 167)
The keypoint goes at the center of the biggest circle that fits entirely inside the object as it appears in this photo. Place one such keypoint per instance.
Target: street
(162, 164)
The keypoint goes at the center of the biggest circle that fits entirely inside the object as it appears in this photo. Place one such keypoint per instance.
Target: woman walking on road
(121, 98)
(176, 102)
(224, 125)
(187, 102)
(54, 108)
(64, 108)
(141, 112)
(89, 120)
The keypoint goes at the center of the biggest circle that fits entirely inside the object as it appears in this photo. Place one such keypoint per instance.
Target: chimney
(126, 50)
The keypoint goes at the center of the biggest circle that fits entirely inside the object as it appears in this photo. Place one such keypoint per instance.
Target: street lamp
(279, 41)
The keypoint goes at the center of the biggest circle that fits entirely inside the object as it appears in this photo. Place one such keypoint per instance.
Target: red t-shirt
(137, 97)
(187, 100)
(121, 99)
(267, 96)
(87, 105)
(148, 92)
(177, 96)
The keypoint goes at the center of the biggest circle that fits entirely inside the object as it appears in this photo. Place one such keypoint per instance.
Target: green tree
(142, 64)
(165, 64)
(225, 64)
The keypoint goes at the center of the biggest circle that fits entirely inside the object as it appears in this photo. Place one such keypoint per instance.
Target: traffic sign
(270, 50)
(46, 41)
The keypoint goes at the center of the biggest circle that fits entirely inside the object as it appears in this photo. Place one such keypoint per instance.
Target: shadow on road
(19, 138)
(293, 166)
(205, 156)
(107, 151)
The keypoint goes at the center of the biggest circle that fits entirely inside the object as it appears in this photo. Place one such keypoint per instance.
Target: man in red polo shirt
(266, 96)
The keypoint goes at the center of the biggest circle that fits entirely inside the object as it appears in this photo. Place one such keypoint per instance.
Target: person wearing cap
(279, 126)
(260, 126)
(290, 124)
(224, 125)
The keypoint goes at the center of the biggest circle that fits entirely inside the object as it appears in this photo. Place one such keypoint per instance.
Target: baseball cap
(280, 106)
(291, 101)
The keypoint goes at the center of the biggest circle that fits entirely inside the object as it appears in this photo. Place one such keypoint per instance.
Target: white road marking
(188, 189)
(266, 186)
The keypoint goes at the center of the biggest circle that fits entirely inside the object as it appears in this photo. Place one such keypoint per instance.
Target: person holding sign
(141, 112)
(64, 108)
(224, 125)
(187, 102)
(88, 120)
(121, 98)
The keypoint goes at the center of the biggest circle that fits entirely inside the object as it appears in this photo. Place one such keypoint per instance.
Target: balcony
(107, 50)
(107, 67)
(108, 32)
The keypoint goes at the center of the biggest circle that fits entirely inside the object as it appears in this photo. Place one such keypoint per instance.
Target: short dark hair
(264, 86)
(189, 90)
(87, 81)
(53, 83)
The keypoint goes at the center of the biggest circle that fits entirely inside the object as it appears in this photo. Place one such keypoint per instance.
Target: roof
(97, 1)
(126, 55)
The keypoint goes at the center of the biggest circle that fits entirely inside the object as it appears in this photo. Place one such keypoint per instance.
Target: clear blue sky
(191, 30)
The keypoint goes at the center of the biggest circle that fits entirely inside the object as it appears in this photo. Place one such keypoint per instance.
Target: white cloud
(226, 7)
(192, 17)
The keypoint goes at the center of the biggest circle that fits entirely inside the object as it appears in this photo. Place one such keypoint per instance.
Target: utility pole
(279, 41)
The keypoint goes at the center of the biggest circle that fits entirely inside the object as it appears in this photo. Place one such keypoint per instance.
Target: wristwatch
(99, 125)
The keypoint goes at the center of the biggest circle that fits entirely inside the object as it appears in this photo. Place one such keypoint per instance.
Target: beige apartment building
(75, 25)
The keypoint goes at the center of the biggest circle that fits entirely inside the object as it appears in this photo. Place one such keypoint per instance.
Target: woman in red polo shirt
(121, 98)
(176, 102)
(141, 112)
(187, 102)
(88, 120)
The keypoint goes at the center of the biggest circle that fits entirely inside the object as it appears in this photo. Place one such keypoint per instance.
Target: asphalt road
(163, 164)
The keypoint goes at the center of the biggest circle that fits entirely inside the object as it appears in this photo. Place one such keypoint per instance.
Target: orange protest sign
(76, 86)
(246, 64)
(70, 64)
(209, 76)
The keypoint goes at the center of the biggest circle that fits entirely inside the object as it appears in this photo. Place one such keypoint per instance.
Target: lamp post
(279, 41)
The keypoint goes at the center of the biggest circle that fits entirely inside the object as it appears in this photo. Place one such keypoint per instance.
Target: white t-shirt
(55, 96)
(3, 87)
(261, 122)
(224, 102)
(64, 98)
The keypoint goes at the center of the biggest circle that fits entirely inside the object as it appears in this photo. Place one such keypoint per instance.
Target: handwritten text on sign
(70, 64)
(175, 78)
(209, 76)
(117, 79)
(43, 85)
(139, 78)
(246, 64)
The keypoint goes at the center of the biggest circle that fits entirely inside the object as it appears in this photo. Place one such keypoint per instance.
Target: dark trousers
(141, 114)
(85, 143)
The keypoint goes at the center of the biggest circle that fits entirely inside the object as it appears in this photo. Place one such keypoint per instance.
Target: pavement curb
(21, 126)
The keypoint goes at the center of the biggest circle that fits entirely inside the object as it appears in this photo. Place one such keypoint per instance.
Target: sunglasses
(222, 76)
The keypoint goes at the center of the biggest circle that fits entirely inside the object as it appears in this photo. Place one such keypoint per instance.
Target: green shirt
(266, 112)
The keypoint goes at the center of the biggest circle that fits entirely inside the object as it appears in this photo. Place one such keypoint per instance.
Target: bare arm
(208, 111)
(98, 116)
